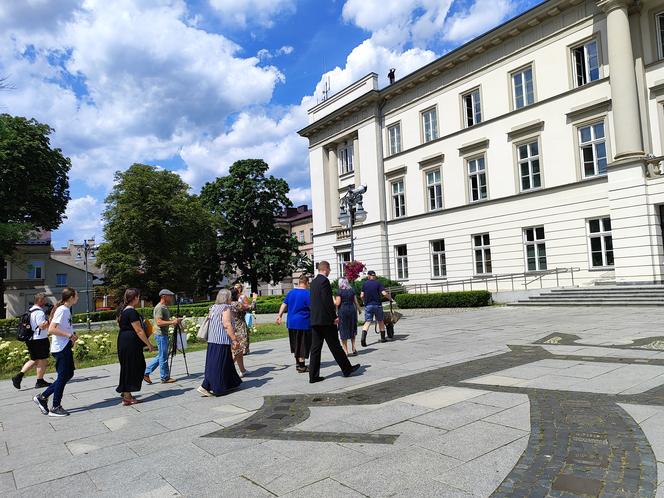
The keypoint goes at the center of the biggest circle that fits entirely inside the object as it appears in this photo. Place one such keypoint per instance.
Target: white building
(528, 148)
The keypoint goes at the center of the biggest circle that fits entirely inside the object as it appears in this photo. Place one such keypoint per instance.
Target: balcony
(343, 234)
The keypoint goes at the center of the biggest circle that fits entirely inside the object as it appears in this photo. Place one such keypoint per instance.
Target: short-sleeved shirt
(161, 311)
(373, 290)
(128, 316)
(298, 302)
(61, 318)
(37, 317)
(347, 297)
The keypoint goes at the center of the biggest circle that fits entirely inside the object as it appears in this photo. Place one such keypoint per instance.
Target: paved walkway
(490, 402)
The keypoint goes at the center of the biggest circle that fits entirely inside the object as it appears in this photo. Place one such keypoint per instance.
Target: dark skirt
(347, 322)
(220, 373)
(300, 342)
(132, 362)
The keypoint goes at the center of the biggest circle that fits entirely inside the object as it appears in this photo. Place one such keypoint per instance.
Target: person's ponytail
(129, 295)
(67, 294)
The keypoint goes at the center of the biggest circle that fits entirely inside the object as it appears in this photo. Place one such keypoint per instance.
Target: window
(472, 108)
(482, 251)
(430, 125)
(659, 20)
(342, 258)
(311, 234)
(394, 135)
(61, 279)
(5, 271)
(586, 63)
(523, 88)
(402, 262)
(36, 269)
(477, 179)
(300, 236)
(345, 157)
(601, 242)
(398, 199)
(438, 264)
(529, 165)
(533, 239)
(434, 190)
(592, 145)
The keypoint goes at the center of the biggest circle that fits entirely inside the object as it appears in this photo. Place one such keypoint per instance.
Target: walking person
(64, 338)
(297, 303)
(162, 317)
(220, 373)
(239, 309)
(348, 307)
(250, 306)
(131, 341)
(38, 345)
(324, 323)
(372, 296)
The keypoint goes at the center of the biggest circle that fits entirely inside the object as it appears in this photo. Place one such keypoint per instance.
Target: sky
(194, 85)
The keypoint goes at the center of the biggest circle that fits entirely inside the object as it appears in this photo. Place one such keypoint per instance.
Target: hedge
(464, 299)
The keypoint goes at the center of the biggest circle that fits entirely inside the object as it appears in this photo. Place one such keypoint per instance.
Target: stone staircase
(600, 295)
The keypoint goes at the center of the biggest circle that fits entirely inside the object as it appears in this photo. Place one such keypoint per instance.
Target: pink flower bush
(353, 269)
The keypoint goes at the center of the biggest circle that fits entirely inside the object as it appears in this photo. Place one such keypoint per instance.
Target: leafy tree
(157, 235)
(34, 186)
(245, 204)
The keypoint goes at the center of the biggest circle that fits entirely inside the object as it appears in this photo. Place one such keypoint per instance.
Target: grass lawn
(266, 332)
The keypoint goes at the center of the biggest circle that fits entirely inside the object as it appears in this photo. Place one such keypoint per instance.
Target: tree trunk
(254, 285)
(3, 311)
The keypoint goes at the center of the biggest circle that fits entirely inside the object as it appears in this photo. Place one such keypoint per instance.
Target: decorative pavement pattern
(504, 402)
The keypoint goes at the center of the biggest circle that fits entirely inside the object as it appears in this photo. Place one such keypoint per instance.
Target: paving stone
(7, 482)
(517, 417)
(504, 400)
(64, 487)
(428, 488)
(326, 488)
(457, 415)
(375, 478)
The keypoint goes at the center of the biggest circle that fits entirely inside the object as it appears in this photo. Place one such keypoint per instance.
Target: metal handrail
(485, 279)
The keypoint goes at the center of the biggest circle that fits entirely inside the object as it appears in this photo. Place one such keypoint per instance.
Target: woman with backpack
(62, 345)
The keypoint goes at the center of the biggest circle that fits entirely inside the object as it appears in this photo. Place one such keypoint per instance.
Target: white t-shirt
(62, 319)
(37, 317)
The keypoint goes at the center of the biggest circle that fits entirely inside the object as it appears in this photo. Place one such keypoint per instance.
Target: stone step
(651, 295)
(586, 303)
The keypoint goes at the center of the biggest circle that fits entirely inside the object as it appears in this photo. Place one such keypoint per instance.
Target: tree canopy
(157, 235)
(245, 204)
(34, 185)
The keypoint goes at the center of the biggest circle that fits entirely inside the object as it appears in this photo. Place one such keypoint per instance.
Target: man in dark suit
(324, 323)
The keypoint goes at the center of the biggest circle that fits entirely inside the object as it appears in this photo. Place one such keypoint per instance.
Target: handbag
(204, 329)
(149, 328)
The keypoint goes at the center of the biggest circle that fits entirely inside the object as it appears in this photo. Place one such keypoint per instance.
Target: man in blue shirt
(372, 297)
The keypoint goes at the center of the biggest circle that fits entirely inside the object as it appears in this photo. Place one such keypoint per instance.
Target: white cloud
(480, 17)
(83, 220)
(244, 12)
(265, 54)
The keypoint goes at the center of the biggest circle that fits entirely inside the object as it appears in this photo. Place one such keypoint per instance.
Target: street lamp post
(87, 249)
(352, 211)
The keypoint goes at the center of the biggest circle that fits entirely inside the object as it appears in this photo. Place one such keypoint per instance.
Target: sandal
(302, 369)
(130, 401)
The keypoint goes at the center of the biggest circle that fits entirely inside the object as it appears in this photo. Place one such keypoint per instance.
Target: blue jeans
(161, 359)
(64, 366)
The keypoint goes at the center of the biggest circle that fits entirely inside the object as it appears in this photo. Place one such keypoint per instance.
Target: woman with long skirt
(220, 374)
(346, 302)
(131, 341)
(297, 304)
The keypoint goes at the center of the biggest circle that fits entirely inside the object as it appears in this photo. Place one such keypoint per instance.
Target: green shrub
(8, 327)
(464, 299)
(268, 307)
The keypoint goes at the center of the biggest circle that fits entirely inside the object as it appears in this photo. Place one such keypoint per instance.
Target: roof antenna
(391, 75)
(326, 89)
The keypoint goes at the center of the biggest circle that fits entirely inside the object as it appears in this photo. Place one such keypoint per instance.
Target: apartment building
(535, 146)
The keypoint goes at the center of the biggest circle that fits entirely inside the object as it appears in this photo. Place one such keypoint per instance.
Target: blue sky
(194, 85)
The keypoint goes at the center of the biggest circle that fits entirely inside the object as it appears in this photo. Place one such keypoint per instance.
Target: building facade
(36, 267)
(533, 147)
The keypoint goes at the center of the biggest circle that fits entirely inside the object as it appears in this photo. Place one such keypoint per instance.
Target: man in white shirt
(38, 345)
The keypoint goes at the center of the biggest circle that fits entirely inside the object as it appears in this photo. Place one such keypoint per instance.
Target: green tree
(245, 204)
(34, 186)
(157, 235)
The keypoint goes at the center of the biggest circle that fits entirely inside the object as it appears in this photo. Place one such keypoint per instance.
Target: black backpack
(24, 330)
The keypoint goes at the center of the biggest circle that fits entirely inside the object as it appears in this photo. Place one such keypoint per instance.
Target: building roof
(460, 55)
(41, 238)
(293, 214)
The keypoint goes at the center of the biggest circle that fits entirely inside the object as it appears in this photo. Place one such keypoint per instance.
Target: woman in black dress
(131, 341)
(348, 306)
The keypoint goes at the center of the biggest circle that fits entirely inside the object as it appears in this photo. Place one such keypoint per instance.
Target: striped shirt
(217, 334)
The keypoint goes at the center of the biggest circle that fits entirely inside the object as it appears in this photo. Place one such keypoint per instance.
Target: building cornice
(609, 5)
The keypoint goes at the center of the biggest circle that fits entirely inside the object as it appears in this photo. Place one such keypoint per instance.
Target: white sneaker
(203, 391)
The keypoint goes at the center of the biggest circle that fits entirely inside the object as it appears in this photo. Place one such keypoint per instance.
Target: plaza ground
(446, 410)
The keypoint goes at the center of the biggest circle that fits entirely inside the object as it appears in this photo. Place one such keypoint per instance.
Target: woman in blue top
(299, 330)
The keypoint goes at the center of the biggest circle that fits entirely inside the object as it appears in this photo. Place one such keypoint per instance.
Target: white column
(333, 187)
(356, 161)
(630, 211)
(624, 96)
